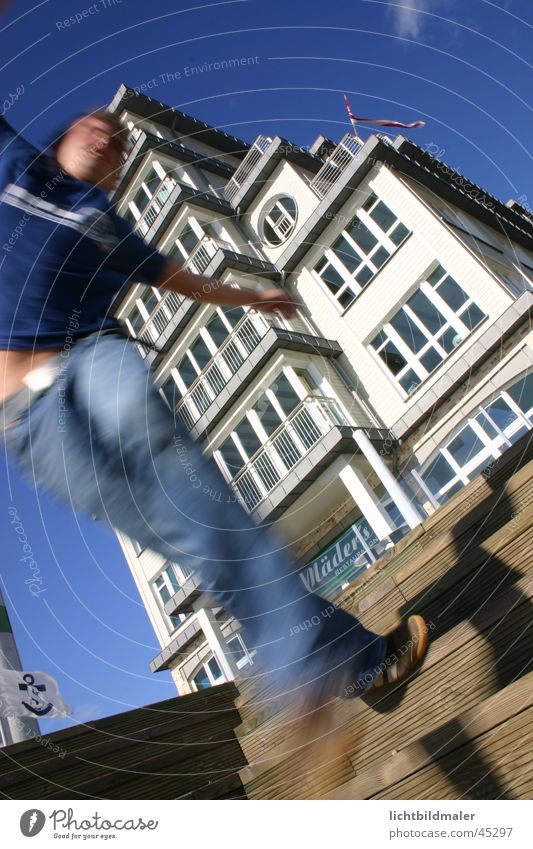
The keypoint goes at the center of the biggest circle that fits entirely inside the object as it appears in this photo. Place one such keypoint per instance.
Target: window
(190, 236)
(150, 197)
(198, 360)
(165, 586)
(170, 391)
(426, 329)
(489, 431)
(135, 320)
(210, 672)
(278, 220)
(357, 255)
(276, 432)
(170, 580)
(148, 300)
(208, 675)
(240, 653)
(201, 679)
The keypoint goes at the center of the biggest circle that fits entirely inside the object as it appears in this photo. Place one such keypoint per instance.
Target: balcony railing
(159, 319)
(203, 253)
(244, 339)
(247, 165)
(335, 165)
(312, 418)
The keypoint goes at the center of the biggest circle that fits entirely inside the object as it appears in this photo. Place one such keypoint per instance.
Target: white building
(405, 373)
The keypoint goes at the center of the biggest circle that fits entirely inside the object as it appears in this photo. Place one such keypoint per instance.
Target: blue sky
(461, 67)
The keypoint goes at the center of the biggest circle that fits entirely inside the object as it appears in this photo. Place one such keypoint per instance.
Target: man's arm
(212, 291)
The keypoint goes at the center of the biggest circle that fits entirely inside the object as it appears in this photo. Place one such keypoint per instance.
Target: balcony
(211, 257)
(183, 637)
(258, 165)
(165, 323)
(235, 365)
(335, 165)
(160, 212)
(182, 600)
(201, 256)
(295, 455)
(143, 143)
(246, 167)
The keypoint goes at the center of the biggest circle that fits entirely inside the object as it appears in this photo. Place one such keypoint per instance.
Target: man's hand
(274, 300)
(212, 291)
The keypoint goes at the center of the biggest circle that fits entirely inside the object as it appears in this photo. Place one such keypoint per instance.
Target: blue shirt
(63, 251)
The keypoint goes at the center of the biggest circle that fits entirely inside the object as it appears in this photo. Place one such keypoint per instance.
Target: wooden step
(379, 778)
(465, 654)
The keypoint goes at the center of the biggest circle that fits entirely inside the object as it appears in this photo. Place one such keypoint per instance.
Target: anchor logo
(35, 690)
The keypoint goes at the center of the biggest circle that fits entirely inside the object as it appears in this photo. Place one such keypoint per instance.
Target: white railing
(203, 253)
(159, 319)
(335, 165)
(244, 338)
(249, 162)
(312, 418)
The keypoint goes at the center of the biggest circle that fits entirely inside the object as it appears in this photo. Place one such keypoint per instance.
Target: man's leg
(122, 457)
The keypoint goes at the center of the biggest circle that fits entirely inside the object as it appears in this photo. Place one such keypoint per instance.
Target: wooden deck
(462, 727)
(182, 748)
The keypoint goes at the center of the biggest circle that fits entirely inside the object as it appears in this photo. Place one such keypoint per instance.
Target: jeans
(102, 440)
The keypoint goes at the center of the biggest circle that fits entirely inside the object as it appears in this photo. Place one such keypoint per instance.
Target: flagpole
(14, 729)
(353, 122)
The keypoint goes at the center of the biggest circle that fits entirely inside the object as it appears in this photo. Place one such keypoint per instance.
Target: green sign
(337, 564)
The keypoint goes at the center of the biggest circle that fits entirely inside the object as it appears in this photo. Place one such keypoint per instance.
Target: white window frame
(247, 659)
(452, 321)
(284, 227)
(211, 345)
(383, 240)
(166, 177)
(276, 459)
(180, 574)
(139, 304)
(494, 447)
(204, 665)
(197, 225)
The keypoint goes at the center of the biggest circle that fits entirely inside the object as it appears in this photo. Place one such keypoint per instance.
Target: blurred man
(83, 420)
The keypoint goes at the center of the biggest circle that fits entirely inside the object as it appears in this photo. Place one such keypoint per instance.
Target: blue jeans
(102, 440)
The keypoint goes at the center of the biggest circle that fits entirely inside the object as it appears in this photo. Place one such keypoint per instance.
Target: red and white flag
(380, 121)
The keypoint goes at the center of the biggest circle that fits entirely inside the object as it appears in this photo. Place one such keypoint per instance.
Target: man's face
(91, 150)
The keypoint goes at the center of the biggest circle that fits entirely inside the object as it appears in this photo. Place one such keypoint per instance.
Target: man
(82, 417)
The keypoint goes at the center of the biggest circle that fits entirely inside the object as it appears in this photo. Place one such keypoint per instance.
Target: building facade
(406, 372)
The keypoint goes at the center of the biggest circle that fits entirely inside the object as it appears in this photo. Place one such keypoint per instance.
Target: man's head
(91, 148)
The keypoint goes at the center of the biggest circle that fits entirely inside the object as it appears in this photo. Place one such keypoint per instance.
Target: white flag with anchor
(30, 694)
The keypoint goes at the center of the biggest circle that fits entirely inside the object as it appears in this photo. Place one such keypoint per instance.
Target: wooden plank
(122, 750)
(440, 651)
(512, 548)
(490, 770)
(467, 725)
(431, 695)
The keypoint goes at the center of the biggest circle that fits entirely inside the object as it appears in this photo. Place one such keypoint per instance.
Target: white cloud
(408, 22)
